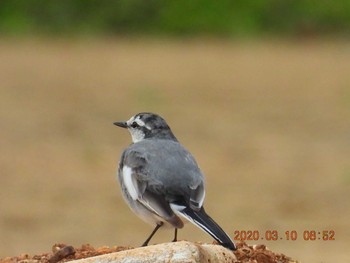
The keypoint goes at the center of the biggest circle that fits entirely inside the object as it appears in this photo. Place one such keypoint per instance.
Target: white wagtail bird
(161, 181)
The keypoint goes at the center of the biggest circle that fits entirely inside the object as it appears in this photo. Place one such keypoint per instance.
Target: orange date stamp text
(292, 235)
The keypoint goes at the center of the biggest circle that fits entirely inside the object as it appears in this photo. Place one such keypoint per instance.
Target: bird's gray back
(164, 166)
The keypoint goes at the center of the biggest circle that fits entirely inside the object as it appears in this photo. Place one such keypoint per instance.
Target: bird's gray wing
(141, 187)
(168, 170)
(181, 179)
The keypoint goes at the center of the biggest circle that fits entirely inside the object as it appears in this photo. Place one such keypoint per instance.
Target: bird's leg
(175, 236)
(152, 234)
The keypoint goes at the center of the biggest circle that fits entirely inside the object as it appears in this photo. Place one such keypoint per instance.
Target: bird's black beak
(121, 124)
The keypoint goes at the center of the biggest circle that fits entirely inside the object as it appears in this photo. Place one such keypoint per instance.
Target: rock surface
(178, 252)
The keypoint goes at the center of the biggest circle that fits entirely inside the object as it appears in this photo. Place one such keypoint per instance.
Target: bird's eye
(134, 125)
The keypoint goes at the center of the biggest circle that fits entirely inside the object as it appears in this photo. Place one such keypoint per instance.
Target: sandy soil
(268, 123)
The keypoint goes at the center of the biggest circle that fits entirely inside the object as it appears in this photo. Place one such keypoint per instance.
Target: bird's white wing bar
(197, 196)
(129, 181)
(177, 208)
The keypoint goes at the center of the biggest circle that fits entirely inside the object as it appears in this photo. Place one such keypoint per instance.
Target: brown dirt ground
(65, 253)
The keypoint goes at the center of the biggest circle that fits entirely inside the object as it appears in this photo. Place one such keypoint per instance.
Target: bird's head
(146, 125)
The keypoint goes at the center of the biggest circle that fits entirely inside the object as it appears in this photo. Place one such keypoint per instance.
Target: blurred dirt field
(268, 122)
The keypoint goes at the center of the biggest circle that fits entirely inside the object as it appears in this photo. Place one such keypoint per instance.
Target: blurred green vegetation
(180, 17)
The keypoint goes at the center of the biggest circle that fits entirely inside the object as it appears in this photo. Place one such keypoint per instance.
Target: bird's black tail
(206, 223)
